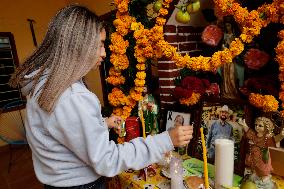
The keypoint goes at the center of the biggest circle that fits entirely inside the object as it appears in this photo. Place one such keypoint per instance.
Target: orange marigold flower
(136, 95)
(116, 80)
(160, 21)
(267, 103)
(191, 100)
(163, 11)
(281, 34)
(141, 66)
(123, 6)
(139, 82)
(141, 75)
(119, 61)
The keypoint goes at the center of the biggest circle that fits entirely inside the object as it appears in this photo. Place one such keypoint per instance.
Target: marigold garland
(265, 102)
(150, 43)
(145, 48)
(280, 59)
(193, 99)
(251, 23)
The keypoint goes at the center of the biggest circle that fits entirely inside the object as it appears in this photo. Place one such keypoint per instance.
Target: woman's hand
(114, 122)
(181, 135)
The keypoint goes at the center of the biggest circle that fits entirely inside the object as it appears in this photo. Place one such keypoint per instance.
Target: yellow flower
(141, 67)
(266, 102)
(160, 21)
(123, 6)
(139, 82)
(115, 80)
(163, 11)
(136, 95)
(141, 75)
(191, 100)
(119, 61)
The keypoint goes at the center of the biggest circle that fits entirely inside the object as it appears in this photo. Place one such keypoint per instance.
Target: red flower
(182, 93)
(212, 35)
(256, 59)
(213, 89)
(265, 85)
(191, 84)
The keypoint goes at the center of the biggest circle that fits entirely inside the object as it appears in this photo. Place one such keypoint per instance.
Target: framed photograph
(220, 120)
(175, 118)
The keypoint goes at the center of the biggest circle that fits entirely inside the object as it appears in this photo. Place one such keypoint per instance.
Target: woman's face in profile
(101, 52)
(178, 121)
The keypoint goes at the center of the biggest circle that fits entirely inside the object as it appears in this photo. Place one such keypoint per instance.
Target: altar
(193, 169)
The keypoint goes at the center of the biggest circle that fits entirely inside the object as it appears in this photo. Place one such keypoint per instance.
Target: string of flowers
(151, 44)
(267, 103)
(144, 49)
(251, 23)
(195, 97)
(280, 59)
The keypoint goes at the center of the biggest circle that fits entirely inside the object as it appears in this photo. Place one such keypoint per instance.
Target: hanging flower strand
(151, 44)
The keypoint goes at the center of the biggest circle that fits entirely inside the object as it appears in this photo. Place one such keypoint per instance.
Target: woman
(68, 137)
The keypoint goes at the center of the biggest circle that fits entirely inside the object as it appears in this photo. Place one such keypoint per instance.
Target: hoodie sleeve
(77, 123)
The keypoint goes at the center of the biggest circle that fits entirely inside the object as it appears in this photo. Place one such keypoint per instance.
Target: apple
(182, 17)
(195, 6)
(157, 6)
(248, 185)
(189, 8)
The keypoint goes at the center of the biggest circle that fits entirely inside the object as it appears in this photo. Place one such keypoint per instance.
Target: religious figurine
(232, 73)
(258, 161)
(150, 111)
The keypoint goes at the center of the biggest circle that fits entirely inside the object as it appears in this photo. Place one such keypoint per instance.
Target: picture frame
(176, 117)
(209, 115)
(190, 112)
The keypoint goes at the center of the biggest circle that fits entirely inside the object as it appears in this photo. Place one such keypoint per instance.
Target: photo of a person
(219, 129)
(179, 120)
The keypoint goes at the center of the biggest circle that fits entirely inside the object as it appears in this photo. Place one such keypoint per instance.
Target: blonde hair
(67, 53)
(269, 125)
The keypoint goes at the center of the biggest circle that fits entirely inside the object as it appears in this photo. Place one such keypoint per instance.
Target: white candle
(224, 163)
(176, 172)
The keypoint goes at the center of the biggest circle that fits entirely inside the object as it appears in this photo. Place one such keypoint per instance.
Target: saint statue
(258, 161)
(150, 112)
(231, 72)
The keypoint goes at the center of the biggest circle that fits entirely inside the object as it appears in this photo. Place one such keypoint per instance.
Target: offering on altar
(194, 182)
(224, 163)
(176, 172)
(149, 108)
(258, 161)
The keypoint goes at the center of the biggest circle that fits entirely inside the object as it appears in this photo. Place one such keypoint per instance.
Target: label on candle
(224, 163)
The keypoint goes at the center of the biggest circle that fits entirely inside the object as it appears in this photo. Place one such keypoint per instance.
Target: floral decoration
(150, 44)
(267, 103)
(256, 59)
(190, 90)
(280, 59)
(212, 35)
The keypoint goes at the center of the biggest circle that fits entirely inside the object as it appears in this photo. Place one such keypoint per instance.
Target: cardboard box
(277, 160)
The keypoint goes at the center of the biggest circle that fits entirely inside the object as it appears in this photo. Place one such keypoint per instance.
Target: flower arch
(150, 44)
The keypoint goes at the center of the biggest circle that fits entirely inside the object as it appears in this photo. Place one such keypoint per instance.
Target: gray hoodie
(71, 145)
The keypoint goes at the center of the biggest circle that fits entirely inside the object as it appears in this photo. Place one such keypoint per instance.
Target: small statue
(150, 111)
(258, 159)
(231, 72)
